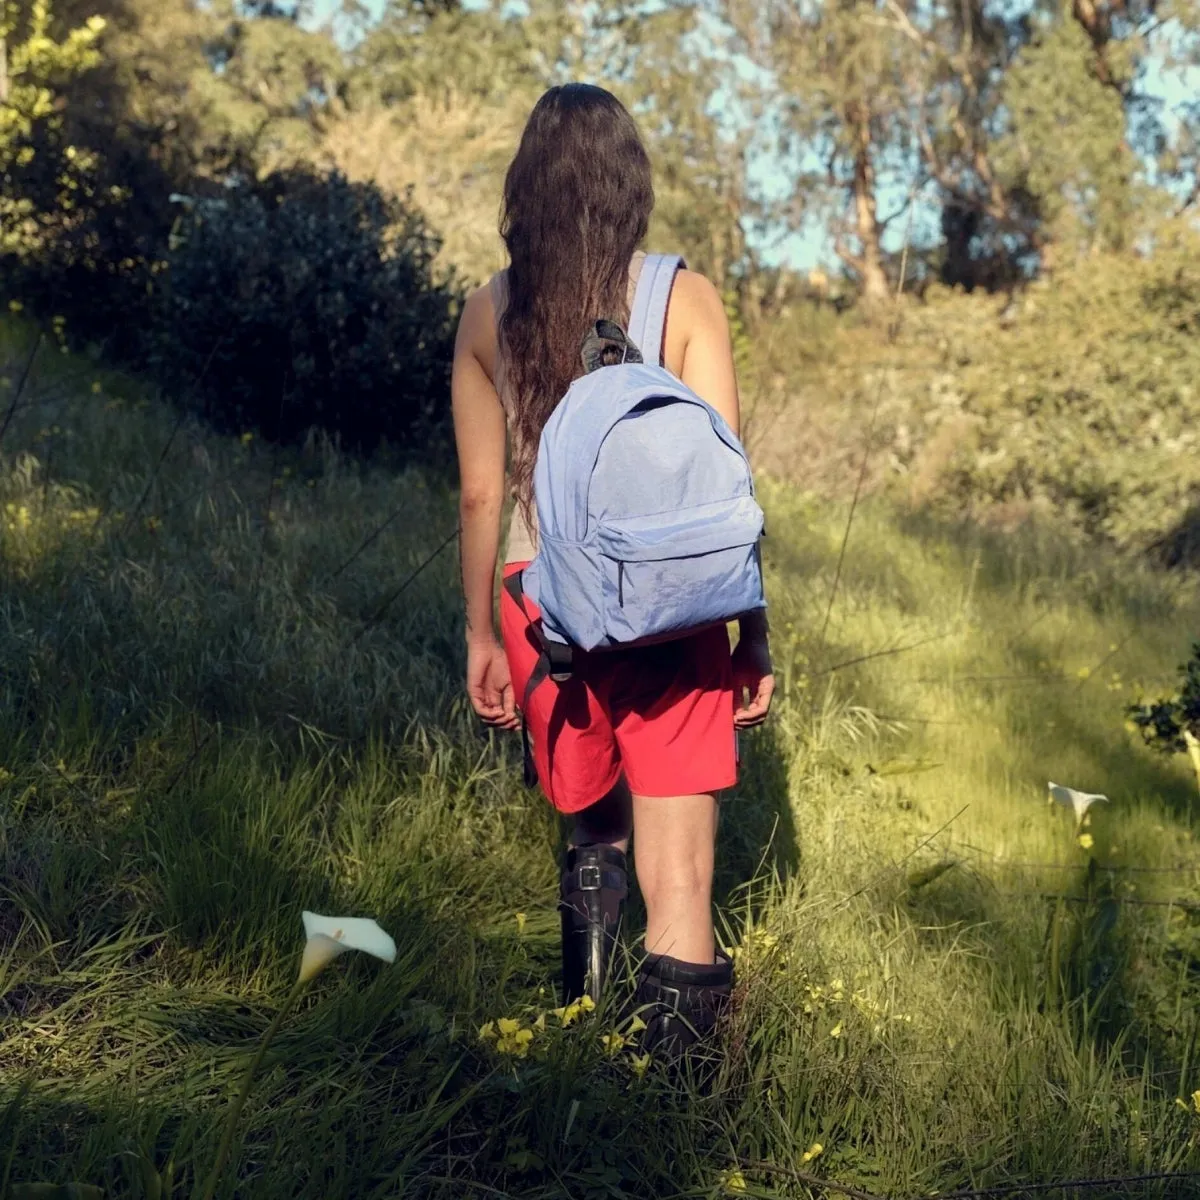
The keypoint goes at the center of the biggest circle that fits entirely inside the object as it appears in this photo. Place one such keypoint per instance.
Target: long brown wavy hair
(577, 204)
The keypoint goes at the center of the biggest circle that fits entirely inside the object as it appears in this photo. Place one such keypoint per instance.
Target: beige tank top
(522, 535)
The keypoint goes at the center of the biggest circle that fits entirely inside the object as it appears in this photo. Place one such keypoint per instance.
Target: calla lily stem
(235, 1111)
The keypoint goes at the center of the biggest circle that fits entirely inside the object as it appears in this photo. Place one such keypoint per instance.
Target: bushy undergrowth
(1077, 401)
(297, 303)
(228, 693)
(309, 302)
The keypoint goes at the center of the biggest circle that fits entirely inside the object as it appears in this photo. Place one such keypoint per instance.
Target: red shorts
(661, 715)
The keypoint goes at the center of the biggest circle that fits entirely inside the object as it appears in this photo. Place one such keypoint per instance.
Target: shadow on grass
(758, 834)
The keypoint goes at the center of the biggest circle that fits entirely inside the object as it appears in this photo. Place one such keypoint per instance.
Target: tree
(1031, 121)
(847, 79)
(44, 173)
(673, 69)
(1065, 141)
(203, 89)
(437, 102)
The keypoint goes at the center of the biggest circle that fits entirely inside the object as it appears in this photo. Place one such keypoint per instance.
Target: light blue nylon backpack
(648, 527)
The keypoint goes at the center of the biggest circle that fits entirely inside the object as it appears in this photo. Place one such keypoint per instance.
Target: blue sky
(811, 245)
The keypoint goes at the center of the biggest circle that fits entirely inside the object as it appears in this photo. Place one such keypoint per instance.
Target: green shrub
(308, 301)
(1172, 724)
(1087, 404)
(1075, 401)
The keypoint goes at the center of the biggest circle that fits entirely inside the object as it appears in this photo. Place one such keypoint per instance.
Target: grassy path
(215, 711)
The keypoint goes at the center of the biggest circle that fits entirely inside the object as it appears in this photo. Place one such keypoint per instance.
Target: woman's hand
(753, 681)
(489, 684)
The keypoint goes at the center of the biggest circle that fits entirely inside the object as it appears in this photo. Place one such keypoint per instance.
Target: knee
(678, 880)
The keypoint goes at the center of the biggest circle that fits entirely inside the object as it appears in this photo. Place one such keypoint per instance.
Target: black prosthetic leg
(594, 887)
(681, 1002)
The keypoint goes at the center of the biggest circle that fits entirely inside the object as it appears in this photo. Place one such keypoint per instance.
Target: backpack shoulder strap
(648, 317)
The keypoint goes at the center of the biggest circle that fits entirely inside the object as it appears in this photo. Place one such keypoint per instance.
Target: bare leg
(675, 843)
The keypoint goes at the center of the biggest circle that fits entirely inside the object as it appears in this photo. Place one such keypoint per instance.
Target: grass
(219, 707)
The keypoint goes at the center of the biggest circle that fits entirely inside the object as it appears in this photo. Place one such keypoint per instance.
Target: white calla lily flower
(330, 936)
(1077, 802)
(327, 938)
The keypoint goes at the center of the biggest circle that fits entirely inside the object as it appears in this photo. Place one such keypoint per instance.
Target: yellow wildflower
(757, 943)
(613, 1042)
(487, 1031)
(733, 1181)
(520, 922)
(18, 515)
(1086, 841)
(836, 1031)
(507, 1026)
(515, 1043)
(540, 1023)
(638, 1064)
(814, 1151)
(573, 1011)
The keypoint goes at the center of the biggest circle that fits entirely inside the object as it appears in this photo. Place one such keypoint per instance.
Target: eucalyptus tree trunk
(868, 262)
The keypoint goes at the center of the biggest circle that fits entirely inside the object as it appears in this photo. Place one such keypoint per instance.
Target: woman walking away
(614, 651)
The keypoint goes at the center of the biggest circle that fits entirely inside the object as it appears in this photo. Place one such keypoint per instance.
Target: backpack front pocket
(667, 573)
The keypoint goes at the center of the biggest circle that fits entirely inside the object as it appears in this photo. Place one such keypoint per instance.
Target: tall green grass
(219, 705)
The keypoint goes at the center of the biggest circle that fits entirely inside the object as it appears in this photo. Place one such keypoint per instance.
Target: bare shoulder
(696, 286)
(696, 304)
(696, 318)
(479, 307)
(696, 296)
(477, 324)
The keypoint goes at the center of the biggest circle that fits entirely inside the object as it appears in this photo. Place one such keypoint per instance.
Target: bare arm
(708, 369)
(479, 435)
(708, 347)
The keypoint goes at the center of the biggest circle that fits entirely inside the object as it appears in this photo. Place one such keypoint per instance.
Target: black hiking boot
(594, 886)
(681, 1003)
